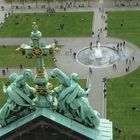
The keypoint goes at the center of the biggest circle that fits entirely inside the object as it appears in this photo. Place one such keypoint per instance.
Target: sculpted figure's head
(74, 76)
(27, 74)
(13, 77)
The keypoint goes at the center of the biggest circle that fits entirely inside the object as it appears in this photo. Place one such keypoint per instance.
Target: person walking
(90, 70)
(7, 69)
(20, 67)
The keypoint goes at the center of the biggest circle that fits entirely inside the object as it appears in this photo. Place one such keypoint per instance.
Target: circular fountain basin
(103, 57)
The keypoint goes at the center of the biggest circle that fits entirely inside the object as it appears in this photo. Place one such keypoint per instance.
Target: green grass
(120, 100)
(73, 26)
(130, 30)
(12, 58)
(3, 96)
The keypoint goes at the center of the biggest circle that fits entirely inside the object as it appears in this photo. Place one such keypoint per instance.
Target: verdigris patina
(20, 96)
(72, 99)
(68, 98)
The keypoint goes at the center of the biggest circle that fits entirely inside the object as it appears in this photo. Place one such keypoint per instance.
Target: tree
(88, 1)
(74, 2)
(11, 2)
(115, 2)
(128, 1)
(61, 1)
(22, 2)
(36, 1)
(47, 2)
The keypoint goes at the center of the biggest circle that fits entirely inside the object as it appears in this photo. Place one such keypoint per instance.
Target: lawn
(120, 100)
(4, 96)
(76, 24)
(124, 25)
(9, 53)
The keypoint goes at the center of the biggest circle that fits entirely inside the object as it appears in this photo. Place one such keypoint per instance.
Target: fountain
(99, 56)
(98, 52)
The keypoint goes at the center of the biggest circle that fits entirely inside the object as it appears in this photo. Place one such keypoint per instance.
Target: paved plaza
(66, 61)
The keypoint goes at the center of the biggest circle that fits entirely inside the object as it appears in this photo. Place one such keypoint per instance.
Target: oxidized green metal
(68, 98)
(37, 49)
(72, 99)
(20, 98)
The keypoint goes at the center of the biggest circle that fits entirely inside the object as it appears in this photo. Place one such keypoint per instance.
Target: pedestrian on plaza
(98, 37)
(133, 58)
(105, 90)
(92, 33)
(97, 42)
(20, 67)
(118, 46)
(7, 69)
(105, 28)
(126, 60)
(90, 70)
(114, 66)
(55, 42)
(114, 48)
(70, 50)
(101, 30)
(104, 79)
(105, 95)
(123, 43)
(3, 72)
(90, 48)
(90, 43)
(126, 70)
(74, 55)
(129, 62)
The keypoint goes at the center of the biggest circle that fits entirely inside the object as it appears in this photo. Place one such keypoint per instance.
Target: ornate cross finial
(35, 34)
(35, 27)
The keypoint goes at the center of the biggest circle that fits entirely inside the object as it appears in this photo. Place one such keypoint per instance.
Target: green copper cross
(38, 49)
